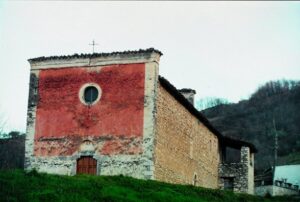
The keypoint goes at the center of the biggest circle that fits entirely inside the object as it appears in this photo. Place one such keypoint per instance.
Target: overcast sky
(220, 49)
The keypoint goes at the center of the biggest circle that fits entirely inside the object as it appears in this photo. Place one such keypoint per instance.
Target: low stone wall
(274, 191)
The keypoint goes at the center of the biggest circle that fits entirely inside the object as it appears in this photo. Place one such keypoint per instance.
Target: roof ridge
(93, 55)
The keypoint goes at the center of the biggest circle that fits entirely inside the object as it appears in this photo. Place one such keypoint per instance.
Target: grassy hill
(18, 185)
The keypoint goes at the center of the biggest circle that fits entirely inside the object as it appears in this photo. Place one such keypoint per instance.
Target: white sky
(220, 49)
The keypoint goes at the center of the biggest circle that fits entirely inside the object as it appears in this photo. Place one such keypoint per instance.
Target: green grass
(18, 185)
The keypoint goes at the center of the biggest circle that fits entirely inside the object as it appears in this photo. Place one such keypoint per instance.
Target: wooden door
(228, 183)
(87, 165)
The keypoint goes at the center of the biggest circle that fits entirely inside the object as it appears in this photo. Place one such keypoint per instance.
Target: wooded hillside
(274, 109)
(12, 150)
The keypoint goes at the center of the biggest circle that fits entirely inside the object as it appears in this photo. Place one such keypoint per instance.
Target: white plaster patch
(151, 80)
(87, 146)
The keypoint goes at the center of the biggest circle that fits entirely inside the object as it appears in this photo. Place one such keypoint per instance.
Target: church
(112, 114)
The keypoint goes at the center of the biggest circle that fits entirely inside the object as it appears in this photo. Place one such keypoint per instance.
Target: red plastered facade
(116, 120)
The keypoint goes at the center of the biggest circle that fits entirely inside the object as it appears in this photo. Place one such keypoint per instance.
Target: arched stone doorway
(86, 165)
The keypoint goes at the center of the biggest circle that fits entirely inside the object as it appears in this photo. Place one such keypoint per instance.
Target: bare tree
(275, 87)
(209, 102)
(2, 124)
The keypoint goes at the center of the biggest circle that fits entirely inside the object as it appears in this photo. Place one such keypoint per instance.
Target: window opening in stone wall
(232, 155)
(228, 183)
(195, 180)
(90, 94)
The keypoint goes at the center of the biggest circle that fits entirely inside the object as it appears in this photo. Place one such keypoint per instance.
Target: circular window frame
(82, 90)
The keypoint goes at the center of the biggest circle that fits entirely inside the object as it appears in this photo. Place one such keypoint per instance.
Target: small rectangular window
(228, 183)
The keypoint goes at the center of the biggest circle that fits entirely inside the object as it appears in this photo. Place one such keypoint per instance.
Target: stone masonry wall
(238, 172)
(31, 116)
(184, 147)
(242, 173)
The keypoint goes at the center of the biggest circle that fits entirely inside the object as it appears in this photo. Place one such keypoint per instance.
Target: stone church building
(112, 114)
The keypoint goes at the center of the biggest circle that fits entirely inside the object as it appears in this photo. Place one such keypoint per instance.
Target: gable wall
(117, 130)
(183, 145)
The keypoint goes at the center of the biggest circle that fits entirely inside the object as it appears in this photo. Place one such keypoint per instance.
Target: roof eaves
(93, 55)
(179, 97)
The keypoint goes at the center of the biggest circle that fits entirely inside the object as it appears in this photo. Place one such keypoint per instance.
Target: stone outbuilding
(112, 114)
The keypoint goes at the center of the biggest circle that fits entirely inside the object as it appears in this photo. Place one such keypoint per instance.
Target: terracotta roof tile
(93, 55)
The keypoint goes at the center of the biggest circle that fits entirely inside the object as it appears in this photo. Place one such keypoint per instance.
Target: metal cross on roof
(93, 44)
